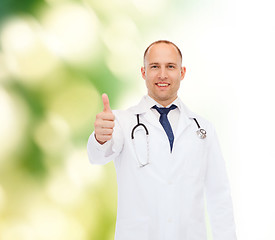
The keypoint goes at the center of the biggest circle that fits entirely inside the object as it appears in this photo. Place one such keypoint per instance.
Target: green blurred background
(56, 59)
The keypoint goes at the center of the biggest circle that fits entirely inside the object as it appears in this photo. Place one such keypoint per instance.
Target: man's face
(162, 72)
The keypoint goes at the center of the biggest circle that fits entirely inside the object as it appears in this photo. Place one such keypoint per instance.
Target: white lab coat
(165, 199)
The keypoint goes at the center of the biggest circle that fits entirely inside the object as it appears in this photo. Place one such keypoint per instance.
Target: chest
(148, 145)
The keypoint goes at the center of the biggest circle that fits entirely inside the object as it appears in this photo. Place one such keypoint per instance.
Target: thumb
(106, 103)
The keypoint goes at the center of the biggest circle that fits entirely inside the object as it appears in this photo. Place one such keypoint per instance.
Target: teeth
(162, 84)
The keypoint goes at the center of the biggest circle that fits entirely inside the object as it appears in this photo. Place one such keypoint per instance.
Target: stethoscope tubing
(200, 132)
(139, 125)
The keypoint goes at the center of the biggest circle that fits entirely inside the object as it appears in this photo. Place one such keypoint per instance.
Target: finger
(100, 135)
(108, 124)
(105, 138)
(106, 131)
(104, 124)
(108, 116)
(106, 103)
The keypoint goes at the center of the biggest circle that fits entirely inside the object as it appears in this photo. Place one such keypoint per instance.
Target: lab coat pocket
(132, 229)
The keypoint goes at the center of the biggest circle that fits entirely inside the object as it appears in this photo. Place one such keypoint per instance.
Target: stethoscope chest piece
(201, 133)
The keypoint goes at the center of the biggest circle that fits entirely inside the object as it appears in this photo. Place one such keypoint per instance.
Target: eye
(154, 66)
(171, 66)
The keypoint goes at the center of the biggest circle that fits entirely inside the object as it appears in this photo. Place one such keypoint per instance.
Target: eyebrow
(155, 63)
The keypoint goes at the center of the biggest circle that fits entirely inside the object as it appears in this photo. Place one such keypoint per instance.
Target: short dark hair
(161, 41)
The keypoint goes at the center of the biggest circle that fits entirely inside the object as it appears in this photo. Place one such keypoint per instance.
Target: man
(166, 158)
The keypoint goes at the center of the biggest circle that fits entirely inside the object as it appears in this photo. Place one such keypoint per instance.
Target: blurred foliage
(49, 96)
(56, 59)
(14, 6)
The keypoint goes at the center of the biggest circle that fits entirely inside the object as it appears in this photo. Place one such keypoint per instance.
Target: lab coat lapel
(185, 119)
(148, 118)
(145, 112)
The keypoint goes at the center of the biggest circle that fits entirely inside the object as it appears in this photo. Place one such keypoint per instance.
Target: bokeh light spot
(27, 55)
(56, 224)
(79, 170)
(17, 229)
(61, 190)
(52, 134)
(72, 32)
(122, 47)
(13, 120)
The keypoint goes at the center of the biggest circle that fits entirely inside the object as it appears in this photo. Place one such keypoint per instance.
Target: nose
(162, 73)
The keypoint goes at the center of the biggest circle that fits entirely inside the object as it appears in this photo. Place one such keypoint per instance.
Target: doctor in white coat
(162, 183)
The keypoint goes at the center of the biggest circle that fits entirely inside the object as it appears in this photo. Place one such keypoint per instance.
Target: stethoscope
(200, 132)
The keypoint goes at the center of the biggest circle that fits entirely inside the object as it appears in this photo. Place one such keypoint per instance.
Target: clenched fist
(105, 122)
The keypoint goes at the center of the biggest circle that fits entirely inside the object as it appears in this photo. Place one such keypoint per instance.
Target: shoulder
(124, 115)
(202, 121)
(132, 111)
(120, 114)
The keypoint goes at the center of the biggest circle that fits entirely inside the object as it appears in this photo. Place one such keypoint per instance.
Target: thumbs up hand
(105, 122)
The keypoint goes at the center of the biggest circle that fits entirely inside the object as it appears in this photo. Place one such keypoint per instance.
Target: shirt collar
(147, 103)
(150, 102)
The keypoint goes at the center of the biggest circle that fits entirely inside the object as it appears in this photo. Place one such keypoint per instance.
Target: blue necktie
(165, 122)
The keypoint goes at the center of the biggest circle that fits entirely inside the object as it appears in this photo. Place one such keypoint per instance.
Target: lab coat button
(170, 182)
(169, 220)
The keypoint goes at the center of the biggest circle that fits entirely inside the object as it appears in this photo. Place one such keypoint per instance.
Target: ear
(143, 73)
(182, 73)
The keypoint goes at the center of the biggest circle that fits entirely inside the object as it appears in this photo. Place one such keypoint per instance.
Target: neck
(164, 103)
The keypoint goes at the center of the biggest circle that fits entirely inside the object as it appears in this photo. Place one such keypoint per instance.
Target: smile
(162, 84)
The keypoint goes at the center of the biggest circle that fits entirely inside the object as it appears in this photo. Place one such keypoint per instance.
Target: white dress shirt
(173, 115)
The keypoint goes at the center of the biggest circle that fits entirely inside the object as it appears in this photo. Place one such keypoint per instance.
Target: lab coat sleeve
(104, 153)
(218, 196)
